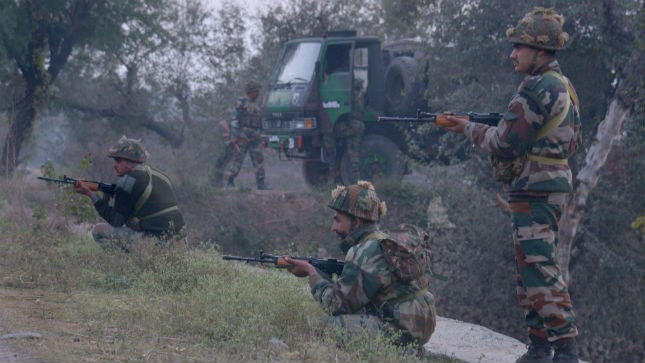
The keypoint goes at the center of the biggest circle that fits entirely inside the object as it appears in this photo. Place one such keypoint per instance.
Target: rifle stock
(91, 184)
(440, 119)
(328, 265)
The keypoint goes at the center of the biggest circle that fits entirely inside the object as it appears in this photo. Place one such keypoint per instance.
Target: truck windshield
(298, 63)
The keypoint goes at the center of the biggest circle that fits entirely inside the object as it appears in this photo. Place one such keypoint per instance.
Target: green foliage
(639, 225)
(218, 310)
(71, 205)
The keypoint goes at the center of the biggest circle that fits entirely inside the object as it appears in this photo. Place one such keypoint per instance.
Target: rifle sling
(555, 121)
(146, 194)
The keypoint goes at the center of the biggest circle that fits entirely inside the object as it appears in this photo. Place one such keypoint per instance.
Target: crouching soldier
(372, 293)
(143, 203)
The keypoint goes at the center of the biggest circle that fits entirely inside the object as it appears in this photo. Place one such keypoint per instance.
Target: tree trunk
(19, 130)
(587, 179)
(47, 51)
(628, 93)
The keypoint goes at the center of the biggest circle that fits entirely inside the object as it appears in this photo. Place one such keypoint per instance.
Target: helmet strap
(352, 223)
(533, 60)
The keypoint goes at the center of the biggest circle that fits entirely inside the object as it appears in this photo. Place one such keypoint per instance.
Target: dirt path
(8, 353)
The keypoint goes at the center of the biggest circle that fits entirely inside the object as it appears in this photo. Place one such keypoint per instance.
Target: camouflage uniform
(143, 203)
(537, 195)
(368, 294)
(246, 134)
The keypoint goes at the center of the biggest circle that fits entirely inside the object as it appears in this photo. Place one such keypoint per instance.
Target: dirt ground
(18, 326)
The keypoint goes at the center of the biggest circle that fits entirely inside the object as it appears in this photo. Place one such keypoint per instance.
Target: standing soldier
(530, 148)
(246, 136)
(231, 148)
(143, 203)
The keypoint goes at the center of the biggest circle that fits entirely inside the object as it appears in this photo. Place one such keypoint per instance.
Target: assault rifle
(327, 265)
(440, 119)
(92, 185)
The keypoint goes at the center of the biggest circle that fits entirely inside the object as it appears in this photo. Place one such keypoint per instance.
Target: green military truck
(312, 89)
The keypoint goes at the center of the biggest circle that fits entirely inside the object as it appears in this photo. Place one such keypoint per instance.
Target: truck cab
(316, 84)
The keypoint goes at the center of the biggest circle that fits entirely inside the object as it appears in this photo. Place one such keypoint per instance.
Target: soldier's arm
(125, 197)
(513, 134)
(357, 286)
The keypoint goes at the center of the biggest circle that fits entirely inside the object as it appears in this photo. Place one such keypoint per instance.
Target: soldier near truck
(244, 137)
(324, 88)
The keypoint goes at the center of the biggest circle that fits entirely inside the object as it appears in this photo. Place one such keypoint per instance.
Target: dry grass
(155, 304)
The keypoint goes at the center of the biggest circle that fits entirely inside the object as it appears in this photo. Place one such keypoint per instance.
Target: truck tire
(381, 161)
(316, 172)
(402, 91)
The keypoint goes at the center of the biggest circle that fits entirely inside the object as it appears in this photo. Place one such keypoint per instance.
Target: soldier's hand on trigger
(300, 268)
(82, 188)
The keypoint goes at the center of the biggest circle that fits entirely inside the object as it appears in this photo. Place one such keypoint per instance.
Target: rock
(472, 343)
(276, 344)
(21, 335)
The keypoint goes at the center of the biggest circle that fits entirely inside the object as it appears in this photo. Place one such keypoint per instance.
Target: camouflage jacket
(246, 115)
(539, 97)
(143, 200)
(368, 285)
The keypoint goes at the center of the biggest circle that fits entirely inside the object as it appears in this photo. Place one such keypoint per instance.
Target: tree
(40, 36)
(628, 95)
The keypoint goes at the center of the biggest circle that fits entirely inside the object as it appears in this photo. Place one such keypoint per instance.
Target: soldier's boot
(565, 351)
(261, 184)
(230, 182)
(538, 352)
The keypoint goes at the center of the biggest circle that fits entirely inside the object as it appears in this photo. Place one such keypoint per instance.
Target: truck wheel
(402, 93)
(381, 161)
(316, 172)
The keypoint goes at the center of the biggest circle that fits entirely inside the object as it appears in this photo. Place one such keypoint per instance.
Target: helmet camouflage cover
(252, 86)
(129, 149)
(359, 200)
(540, 28)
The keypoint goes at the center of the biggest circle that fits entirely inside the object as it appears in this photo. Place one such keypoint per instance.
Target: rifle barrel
(66, 180)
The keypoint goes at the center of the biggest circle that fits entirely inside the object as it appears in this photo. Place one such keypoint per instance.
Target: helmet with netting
(129, 149)
(252, 86)
(358, 200)
(539, 28)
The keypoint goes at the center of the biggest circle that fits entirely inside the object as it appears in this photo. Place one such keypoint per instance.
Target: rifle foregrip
(443, 121)
(281, 262)
(92, 186)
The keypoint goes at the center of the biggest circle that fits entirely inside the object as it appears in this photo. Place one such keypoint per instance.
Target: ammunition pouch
(505, 170)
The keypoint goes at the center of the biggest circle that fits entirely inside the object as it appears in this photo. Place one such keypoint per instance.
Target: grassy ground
(156, 303)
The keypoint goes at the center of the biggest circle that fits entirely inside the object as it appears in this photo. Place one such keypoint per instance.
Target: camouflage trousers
(352, 325)
(541, 289)
(108, 236)
(348, 134)
(252, 145)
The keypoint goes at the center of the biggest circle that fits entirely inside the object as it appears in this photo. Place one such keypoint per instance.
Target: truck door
(336, 85)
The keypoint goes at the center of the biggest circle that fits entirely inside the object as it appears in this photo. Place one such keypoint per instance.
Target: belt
(547, 160)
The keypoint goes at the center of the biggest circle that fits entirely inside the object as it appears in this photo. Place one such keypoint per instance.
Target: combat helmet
(129, 149)
(539, 28)
(359, 200)
(252, 86)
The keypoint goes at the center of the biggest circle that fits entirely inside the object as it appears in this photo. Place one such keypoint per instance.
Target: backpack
(407, 250)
